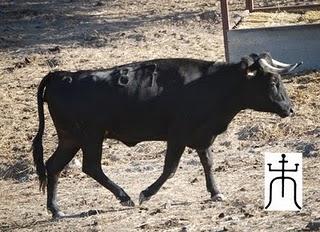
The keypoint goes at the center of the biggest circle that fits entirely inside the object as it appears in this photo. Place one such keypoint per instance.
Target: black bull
(185, 102)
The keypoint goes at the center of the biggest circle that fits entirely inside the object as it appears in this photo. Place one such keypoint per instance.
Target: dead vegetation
(39, 36)
(267, 19)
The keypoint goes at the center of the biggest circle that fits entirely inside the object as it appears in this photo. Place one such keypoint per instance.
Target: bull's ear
(254, 57)
(248, 67)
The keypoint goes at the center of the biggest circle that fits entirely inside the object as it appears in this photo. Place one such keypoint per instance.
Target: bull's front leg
(173, 155)
(207, 163)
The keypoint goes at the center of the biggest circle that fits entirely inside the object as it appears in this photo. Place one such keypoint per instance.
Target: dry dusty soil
(40, 36)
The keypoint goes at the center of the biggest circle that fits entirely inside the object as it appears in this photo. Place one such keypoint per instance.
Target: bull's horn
(280, 64)
(265, 65)
(282, 70)
(283, 65)
(293, 67)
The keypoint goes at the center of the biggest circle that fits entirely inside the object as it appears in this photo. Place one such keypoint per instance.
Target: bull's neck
(232, 85)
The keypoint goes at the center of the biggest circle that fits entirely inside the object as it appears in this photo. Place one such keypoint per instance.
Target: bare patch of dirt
(40, 36)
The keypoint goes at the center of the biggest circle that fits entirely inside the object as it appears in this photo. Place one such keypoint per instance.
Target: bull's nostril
(291, 112)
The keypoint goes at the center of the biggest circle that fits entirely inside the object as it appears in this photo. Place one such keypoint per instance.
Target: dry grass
(116, 33)
(266, 19)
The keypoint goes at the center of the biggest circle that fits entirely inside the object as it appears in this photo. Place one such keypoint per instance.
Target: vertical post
(225, 26)
(249, 5)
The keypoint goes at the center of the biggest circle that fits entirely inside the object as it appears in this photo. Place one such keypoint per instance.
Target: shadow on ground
(66, 22)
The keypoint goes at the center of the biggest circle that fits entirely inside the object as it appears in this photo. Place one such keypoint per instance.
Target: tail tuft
(38, 161)
(37, 141)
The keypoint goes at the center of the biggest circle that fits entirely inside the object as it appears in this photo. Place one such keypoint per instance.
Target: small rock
(224, 229)
(55, 49)
(172, 222)
(100, 3)
(226, 144)
(27, 60)
(243, 209)
(20, 65)
(220, 169)
(167, 205)
(143, 208)
(248, 215)
(54, 62)
(221, 215)
(89, 213)
(9, 69)
(194, 180)
(144, 226)
(302, 87)
(93, 212)
(155, 212)
(184, 229)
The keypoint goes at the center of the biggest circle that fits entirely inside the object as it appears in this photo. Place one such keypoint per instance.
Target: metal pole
(249, 5)
(225, 26)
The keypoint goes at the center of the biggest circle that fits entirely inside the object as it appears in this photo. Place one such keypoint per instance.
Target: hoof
(218, 197)
(128, 203)
(58, 215)
(143, 198)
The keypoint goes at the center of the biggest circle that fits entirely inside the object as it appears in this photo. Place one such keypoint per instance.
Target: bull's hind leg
(64, 153)
(207, 163)
(173, 155)
(92, 151)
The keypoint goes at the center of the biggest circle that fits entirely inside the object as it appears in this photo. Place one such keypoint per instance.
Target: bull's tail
(37, 141)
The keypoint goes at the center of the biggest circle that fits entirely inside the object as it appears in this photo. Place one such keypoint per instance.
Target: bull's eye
(274, 88)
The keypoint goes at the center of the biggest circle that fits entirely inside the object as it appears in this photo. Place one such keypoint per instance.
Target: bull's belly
(135, 132)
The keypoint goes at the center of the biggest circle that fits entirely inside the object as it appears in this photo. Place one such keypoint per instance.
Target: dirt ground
(40, 36)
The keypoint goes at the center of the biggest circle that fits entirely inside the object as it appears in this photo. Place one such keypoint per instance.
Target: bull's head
(264, 90)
